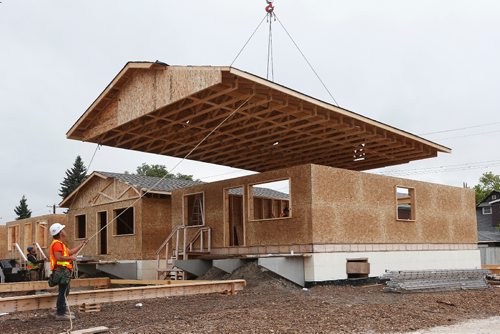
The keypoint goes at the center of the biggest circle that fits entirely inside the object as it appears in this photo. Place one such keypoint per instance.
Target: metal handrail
(20, 251)
(40, 250)
(168, 238)
(199, 235)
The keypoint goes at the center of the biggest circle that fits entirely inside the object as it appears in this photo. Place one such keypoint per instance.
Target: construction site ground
(273, 305)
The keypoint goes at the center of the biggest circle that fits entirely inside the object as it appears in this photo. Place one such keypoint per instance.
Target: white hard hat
(56, 228)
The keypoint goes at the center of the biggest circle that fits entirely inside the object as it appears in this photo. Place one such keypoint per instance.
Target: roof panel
(241, 120)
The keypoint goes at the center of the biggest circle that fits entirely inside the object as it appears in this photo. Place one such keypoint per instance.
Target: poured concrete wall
(356, 207)
(332, 266)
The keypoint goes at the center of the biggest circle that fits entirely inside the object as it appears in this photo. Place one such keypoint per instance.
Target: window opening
(41, 234)
(124, 223)
(195, 209)
(405, 203)
(81, 227)
(12, 237)
(28, 235)
(270, 200)
(487, 210)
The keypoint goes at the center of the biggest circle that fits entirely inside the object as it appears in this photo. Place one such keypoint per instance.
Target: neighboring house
(484, 210)
(140, 222)
(488, 224)
(32, 231)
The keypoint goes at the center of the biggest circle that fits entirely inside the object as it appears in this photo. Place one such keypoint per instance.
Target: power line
(459, 129)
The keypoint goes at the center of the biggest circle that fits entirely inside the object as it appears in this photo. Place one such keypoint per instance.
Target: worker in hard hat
(33, 265)
(61, 264)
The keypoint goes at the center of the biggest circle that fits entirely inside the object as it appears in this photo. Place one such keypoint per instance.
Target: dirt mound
(214, 274)
(258, 277)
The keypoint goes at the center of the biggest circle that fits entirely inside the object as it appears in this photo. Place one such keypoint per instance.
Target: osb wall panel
(156, 225)
(99, 191)
(3, 242)
(293, 230)
(119, 247)
(355, 207)
(30, 224)
(148, 90)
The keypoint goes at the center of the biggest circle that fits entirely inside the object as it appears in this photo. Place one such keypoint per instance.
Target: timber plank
(47, 301)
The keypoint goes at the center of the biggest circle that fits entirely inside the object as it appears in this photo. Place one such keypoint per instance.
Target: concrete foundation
(291, 268)
(332, 266)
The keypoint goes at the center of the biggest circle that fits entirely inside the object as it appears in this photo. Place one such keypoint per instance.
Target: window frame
(44, 237)
(484, 211)
(413, 200)
(115, 222)
(77, 227)
(250, 200)
(185, 209)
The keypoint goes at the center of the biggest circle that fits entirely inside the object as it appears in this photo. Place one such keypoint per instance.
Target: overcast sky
(422, 66)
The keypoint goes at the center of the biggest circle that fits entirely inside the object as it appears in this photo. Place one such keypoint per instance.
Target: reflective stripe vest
(30, 265)
(53, 262)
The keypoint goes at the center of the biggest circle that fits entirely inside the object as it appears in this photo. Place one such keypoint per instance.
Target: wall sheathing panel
(3, 242)
(355, 207)
(146, 91)
(119, 247)
(28, 232)
(292, 230)
(156, 225)
(151, 220)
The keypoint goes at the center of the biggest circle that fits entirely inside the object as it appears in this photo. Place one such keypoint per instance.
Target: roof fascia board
(74, 192)
(339, 110)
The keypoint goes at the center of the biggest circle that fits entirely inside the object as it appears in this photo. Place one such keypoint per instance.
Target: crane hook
(269, 7)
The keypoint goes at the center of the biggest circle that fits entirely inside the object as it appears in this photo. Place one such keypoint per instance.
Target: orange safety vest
(53, 262)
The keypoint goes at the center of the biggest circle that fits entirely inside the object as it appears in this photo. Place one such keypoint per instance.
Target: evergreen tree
(74, 177)
(22, 210)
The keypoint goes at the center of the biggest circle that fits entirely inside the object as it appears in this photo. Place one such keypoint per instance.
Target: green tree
(22, 210)
(160, 171)
(487, 183)
(74, 177)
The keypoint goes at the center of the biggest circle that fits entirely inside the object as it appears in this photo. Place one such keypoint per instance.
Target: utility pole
(53, 206)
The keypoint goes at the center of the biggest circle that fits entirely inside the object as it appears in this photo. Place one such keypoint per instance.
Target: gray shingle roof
(151, 183)
(261, 192)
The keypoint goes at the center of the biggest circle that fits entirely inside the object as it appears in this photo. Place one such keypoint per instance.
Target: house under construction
(326, 219)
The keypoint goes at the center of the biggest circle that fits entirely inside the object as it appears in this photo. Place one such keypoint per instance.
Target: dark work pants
(61, 300)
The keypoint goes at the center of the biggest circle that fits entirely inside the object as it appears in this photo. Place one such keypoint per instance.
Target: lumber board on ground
(93, 330)
(43, 285)
(152, 282)
(47, 301)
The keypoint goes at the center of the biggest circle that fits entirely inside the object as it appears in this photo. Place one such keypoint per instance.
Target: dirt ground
(272, 305)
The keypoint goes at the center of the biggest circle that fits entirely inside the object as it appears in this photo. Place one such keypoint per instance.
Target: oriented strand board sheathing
(166, 110)
(99, 194)
(146, 91)
(354, 207)
(3, 242)
(28, 231)
(291, 230)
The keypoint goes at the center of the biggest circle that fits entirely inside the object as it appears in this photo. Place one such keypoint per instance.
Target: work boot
(66, 316)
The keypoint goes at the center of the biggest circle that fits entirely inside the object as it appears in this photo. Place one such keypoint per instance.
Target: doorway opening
(103, 234)
(234, 214)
